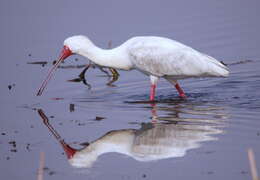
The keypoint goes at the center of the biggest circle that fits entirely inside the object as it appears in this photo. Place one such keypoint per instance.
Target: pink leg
(179, 89)
(152, 92)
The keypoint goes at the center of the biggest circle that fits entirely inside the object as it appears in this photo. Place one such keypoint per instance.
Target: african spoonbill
(156, 57)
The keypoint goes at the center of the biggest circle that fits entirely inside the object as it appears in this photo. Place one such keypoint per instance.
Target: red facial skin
(66, 52)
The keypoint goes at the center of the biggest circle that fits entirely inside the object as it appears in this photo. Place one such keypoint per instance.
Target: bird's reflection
(153, 141)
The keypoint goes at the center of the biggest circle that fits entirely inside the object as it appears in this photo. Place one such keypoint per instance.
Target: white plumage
(165, 57)
(160, 142)
(154, 56)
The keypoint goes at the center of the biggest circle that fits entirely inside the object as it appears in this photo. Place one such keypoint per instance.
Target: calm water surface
(203, 137)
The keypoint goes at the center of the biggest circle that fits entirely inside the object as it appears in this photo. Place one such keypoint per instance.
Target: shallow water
(205, 136)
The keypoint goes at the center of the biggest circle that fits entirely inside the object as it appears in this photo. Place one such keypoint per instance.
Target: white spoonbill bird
(157, 57)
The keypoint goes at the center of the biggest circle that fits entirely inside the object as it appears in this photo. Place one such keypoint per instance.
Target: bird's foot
(115, 76)
(81, 79)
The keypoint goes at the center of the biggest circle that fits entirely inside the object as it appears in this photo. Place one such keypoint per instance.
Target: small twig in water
(41, 166)
(252, 164)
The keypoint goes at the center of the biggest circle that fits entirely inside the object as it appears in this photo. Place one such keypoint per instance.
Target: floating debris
(241, 62)
(13, 143)
(28, 147)
(209, 152)
(43, 63)
(52, 173)
(81, 124)
(38, 62)
(72, 107)
(10, 86)
(57, 99)
(244, 172)
(3, 134)
(72, 66)
(99, 118)
(46, 169)
(26, 106)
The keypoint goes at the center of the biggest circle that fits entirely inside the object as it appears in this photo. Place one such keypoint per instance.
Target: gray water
(209, 132)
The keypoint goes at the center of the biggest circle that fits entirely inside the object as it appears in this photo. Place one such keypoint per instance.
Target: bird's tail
(219, 69)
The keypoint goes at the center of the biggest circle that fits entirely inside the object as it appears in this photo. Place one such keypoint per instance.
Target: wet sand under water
(115, 131)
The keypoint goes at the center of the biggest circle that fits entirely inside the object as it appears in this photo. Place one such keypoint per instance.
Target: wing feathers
(165, 57)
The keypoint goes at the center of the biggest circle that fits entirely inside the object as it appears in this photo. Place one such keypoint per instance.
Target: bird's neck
(117, 141)
(115, 58)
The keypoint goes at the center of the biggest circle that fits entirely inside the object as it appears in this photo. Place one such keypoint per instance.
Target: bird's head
(75, 44)
(72, 45)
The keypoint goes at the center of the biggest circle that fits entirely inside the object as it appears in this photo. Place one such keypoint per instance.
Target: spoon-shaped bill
(66, 52)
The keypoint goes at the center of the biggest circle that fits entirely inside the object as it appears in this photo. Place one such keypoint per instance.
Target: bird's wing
(170, 58)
